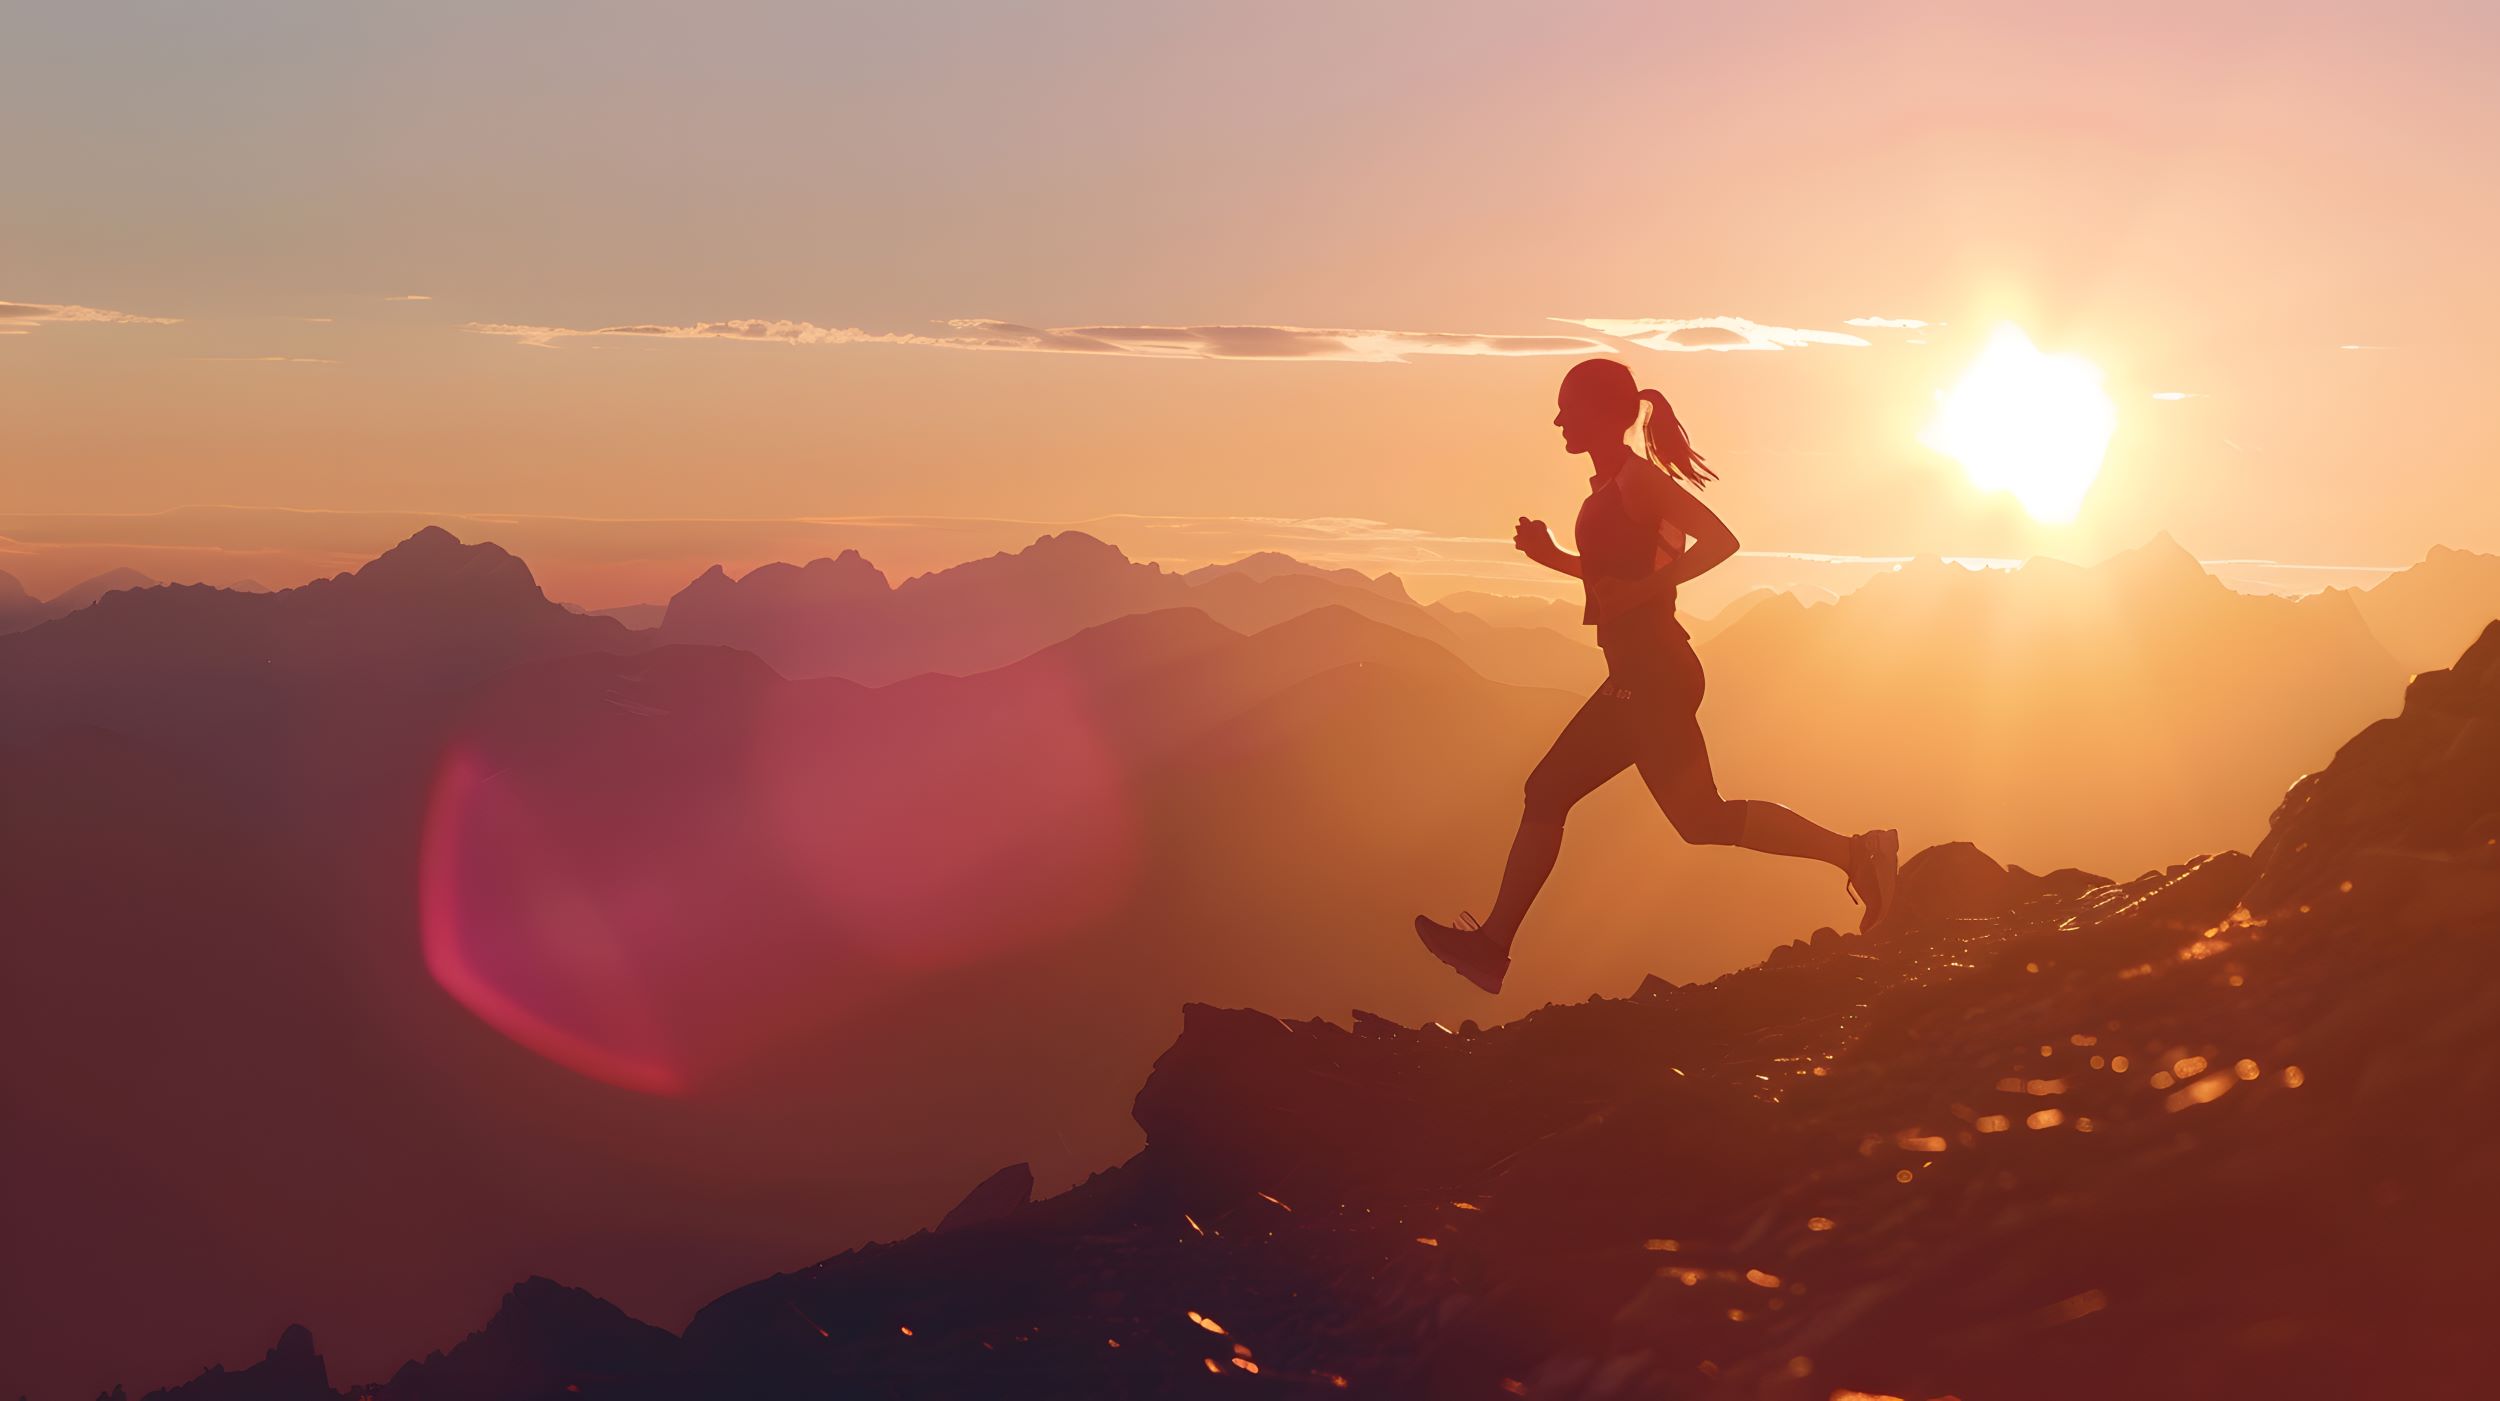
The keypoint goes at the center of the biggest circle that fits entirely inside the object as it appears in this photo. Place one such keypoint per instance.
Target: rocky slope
(2220, 1129)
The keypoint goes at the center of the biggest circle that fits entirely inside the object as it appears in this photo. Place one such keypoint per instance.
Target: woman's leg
(1784, 832)
(1677, 770)
(1675, 762)
(1594, 747)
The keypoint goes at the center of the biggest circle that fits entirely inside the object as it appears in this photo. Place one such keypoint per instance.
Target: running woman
(1641, 532)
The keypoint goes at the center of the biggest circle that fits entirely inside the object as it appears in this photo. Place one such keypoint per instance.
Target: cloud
(1212, 342)
(1710, 333)
(265, 359)
(783, 332)
(411, 297)
(21, 318)
(1264, 342)
(2174, 395)
(1893, 323)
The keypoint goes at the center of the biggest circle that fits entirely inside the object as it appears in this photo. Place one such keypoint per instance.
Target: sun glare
(2033, 424)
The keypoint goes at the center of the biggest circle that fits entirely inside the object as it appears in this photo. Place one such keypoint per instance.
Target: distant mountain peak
(2161, 557)
(295, 1342)
(846, 578)
(81, 594)
(1074, 546)
(435, 560)
(1262, 565)
(291, 1371)
(436, 556)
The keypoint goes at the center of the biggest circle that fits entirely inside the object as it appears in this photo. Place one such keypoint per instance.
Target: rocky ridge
(2215, 1130)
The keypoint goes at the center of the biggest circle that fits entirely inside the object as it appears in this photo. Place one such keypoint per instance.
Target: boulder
(1000, 1196)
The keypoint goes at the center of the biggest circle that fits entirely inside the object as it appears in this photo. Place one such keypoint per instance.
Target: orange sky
(2212, 200)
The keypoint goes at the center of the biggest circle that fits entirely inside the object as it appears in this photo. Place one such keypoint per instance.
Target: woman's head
(1598, 405)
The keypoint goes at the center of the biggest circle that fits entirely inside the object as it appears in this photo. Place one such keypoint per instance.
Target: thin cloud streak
(1697, 333)
(1210, 342)
(23, 318)
(264, 359)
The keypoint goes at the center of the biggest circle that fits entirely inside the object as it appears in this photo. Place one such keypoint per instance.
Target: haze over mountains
(839, 617)
(2023, 708)
(411, 917)
(20, 610)
(1971, 1154)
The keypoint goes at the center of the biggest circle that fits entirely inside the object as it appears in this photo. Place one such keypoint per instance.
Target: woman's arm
(1537, 542)
(1713, 544)
(1680, 516)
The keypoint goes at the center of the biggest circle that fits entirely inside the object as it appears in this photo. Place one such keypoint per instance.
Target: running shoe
(1466, 948)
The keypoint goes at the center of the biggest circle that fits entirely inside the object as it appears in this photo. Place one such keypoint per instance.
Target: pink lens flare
(651, 882)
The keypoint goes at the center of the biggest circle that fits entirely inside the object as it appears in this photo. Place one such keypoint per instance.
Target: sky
(635, 289)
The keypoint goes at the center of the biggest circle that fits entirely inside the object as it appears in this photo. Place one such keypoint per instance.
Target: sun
(2033, 424)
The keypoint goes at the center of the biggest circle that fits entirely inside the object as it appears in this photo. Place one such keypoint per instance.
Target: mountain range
(421, 919)
(2029, 1140)
(840, 617)
(20, 610)
(2025, 708)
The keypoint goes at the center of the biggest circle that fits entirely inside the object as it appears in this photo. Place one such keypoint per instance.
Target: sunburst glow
(2029, 423)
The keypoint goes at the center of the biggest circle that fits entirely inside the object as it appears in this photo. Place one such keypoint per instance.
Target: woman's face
(1587, 421)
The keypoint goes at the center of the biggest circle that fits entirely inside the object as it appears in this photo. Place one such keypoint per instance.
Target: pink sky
(966, 271)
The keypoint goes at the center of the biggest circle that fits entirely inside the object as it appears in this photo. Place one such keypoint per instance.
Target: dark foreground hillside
(2220, 1130)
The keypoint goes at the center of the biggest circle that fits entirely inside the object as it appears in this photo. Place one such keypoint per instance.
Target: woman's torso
(1616, 544)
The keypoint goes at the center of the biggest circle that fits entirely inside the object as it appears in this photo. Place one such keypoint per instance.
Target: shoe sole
(1465, 968)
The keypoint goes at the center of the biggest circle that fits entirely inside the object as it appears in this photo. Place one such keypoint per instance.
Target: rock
(545, 1340)
(999, 1197)
(1955, 880)
(2424, 782)
(292, 1371)
(1373, 1024)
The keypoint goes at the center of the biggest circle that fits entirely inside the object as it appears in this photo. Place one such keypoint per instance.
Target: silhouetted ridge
(1263, 565)
(19, 609)
(988, 613)
(292, 1371)
(545, 1341)
(999, 1197)
(1069, 559)
(271, 690)
(434, 561)
(848, 577)
(2413, 801)
(1975, 1153)
(87, 591)
(2161, 562)
(2429, 612)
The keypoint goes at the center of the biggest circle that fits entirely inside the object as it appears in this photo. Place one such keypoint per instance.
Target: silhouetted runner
(1641, 533)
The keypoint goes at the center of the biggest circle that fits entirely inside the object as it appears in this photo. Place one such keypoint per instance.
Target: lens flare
(661, 878)
(2029, 423)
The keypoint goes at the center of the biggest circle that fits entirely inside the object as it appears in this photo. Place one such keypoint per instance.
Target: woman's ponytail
(1669, 445)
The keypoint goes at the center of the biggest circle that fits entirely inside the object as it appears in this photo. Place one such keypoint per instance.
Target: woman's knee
(1549, 799)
